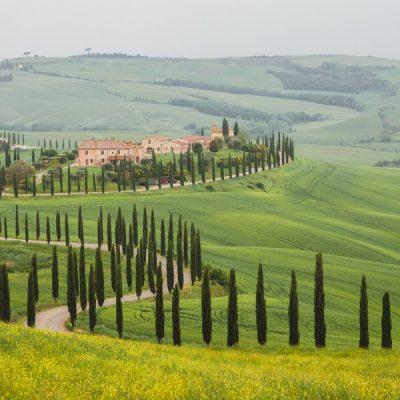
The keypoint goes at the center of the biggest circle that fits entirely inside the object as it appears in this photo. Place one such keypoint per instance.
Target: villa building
(217, 132)
(99, 152)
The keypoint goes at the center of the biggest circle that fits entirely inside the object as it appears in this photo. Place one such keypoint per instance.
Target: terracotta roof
(195, 138)
(104, 145)
(179, 141)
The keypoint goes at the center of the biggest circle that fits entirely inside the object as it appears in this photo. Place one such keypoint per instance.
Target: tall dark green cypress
(86, 181)
(5, 309)
(135, 226)
(179, 261)
(113, 268)
(5, 228)
(145, 233)
(170, 267)
(176, 321)
(123, 236)
(82, 279)
(37, 225)
(92, 299)
(109, 232)
(206, 314)
(119, 319)
(171, 230)
(213, 174)
(80, 226)
(261, 308)
(129, 267)
(26, 228)
(58, 226)
(66, 229)
(60, 175)
(16, 221)
(386, 323)
(76, 272)
(319, 304)
(151, 266)
(15, 185)
(69, 184)
(193, 267)
(48, 231)
(159, 306)
(138, 274)
(162, 238)
(33, 184)
(94, 182)
(364, 334)
(71, 294)
(233, 327)
(185, 245)
(54, 275)
(293, 311)
(99, 274)
(35, 278)
(30, 306)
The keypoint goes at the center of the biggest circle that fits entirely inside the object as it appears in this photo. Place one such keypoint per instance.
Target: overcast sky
(206, 28)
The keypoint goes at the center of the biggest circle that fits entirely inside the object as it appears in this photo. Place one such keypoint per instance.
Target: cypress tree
(199, 266)
(129, 268)
(179, 261)
(193, 267)
(181, 172)
(48, 232)
(185, 245)
(33, 184)
(138, 274)
(94, 182)
(192, 171)
(135, 226)
(159, 306)
(123, 236)
(109, 232)
(213, 168)
(170, 267)
(176, 323)
(92, 299)
(26, 228)
(118, 302)
(162, 239)
(82, 278)
(5, 228)
(101, 235)
(386, 323)
(171, 230)
(237, 171)
(319, 304)
(206, 315)
(58, 226)
(69, 185)
(113, 269)
(66, 229)
(4, 295)
(261, 308)
(294, 334)
(52, 182)
(80, 226)
(78, 181)
(35, 278)
(99, 274)
(60, 175)
(144, 233)
(15, 185)
(230, 166)
(244, 164)
(364, 334)
(151, 266)
(30, 307)
(16, 221)
(71, 294)
(233, 328)
(76, 272)
(222, 171)
(54, 275)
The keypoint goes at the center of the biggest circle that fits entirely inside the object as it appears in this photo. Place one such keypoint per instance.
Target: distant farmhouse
(99, 152)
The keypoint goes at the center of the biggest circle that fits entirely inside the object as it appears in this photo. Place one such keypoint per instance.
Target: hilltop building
(217, 132)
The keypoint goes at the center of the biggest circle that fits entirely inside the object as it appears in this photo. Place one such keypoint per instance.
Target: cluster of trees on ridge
(267, 152)
(145, 250)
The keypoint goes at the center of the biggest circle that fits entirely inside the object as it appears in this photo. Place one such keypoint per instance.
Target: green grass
(282, 217)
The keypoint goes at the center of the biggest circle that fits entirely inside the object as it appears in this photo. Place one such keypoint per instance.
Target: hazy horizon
(208, 29)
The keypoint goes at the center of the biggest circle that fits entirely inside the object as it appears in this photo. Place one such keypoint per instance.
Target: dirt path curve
(55, 319)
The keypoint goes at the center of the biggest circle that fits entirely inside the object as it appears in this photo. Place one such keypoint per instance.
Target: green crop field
(282, 217)
(81, 97)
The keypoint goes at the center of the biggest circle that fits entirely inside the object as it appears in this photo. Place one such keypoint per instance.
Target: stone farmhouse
(217, 132)
(99, 152)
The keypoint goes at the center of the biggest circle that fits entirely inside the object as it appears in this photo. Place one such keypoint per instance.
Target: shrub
(217, 276)
(197, 147)
(215, 145)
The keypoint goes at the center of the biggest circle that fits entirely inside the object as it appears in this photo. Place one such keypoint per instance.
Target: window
(91, 161)
(102, 152)
(86, 152)
(87, 162)
(118, 152)
(102, 160)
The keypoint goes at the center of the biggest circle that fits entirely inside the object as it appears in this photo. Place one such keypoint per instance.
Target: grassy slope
(111, 369)
(350, 214)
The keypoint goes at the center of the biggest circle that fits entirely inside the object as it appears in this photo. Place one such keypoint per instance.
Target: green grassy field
(80, 97)
(282, 217)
